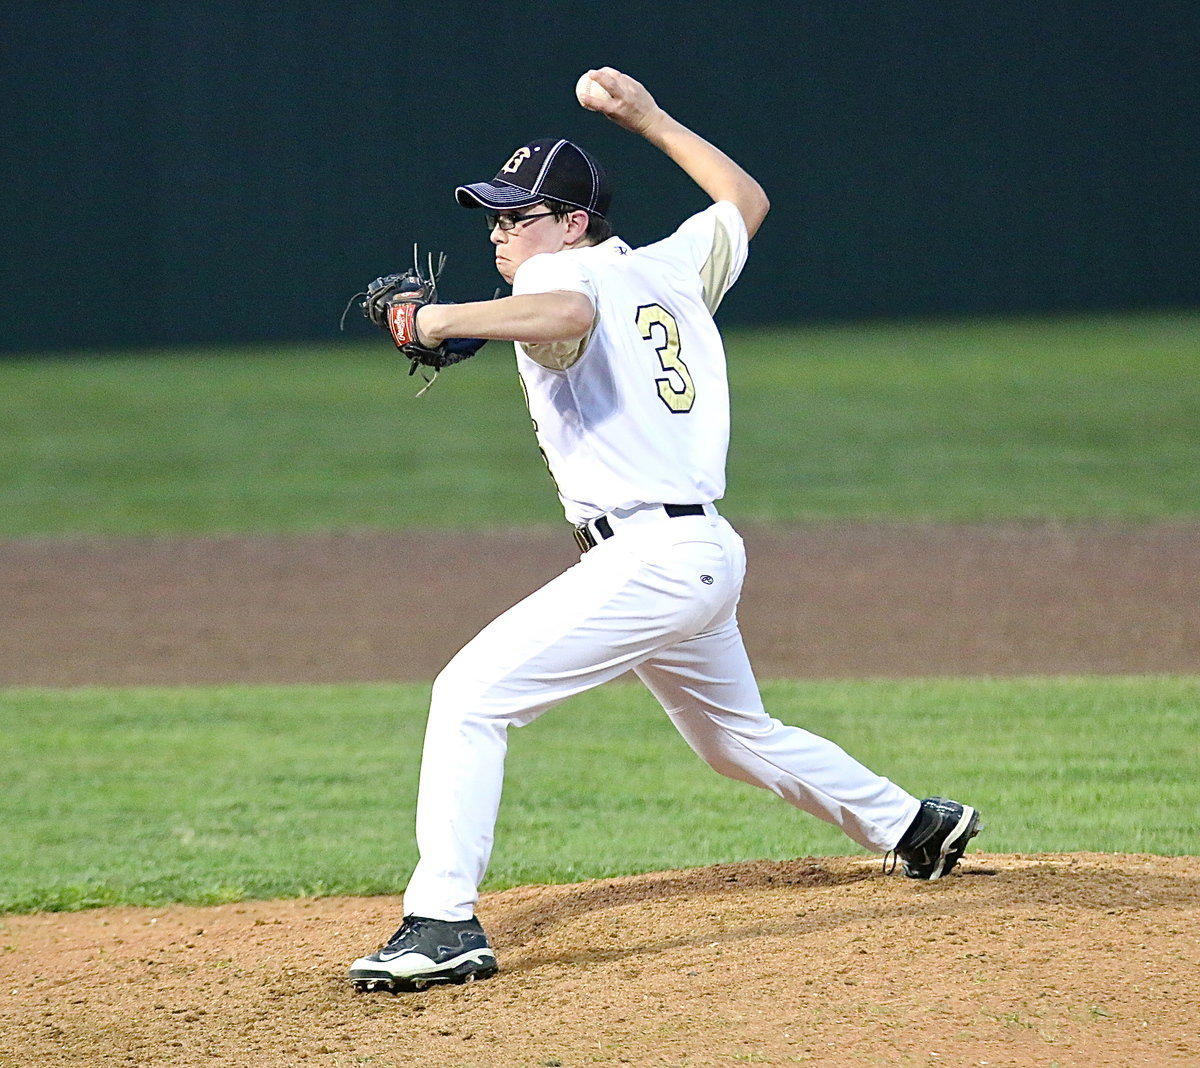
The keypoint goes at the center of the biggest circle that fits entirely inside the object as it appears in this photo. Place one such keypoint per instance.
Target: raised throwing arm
(631, 106)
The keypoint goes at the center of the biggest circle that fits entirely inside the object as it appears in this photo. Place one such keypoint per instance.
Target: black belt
(585, 539)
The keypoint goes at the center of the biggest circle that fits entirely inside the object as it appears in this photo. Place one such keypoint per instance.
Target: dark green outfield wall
(188, 173)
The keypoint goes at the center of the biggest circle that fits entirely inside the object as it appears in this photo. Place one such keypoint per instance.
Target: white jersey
(638, 411)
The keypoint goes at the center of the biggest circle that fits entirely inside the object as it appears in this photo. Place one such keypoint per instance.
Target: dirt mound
(1056, 959)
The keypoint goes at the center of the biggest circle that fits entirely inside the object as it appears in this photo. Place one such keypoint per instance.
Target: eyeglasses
(510, 222)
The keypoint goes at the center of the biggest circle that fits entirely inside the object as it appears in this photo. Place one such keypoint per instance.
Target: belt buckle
(584, 538)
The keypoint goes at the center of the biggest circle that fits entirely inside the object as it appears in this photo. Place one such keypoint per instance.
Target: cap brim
(498, 195)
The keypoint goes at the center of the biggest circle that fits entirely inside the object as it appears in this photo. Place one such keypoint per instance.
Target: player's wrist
(656, 126)
(426, 327)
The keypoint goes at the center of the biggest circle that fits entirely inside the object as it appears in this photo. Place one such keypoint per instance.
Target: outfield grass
(217, 794)
(1066, 419)
(1063, 419)
(204, 795)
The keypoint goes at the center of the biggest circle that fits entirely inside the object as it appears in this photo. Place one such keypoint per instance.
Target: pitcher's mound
(1079, 959)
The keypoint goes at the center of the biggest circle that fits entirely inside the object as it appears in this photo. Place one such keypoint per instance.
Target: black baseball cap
(547, 169)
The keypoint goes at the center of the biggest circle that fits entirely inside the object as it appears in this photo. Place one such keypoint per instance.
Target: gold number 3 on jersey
(675, 388)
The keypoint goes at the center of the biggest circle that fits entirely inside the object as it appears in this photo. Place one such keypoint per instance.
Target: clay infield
(1079, 959)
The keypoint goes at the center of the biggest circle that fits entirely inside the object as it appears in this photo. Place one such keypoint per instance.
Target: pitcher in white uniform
(625, 376)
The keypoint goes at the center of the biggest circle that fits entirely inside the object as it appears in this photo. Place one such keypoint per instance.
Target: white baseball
(588, 91)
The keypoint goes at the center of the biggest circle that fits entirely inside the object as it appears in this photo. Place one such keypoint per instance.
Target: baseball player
(624, 373)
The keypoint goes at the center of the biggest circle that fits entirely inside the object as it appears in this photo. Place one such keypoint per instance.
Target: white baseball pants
(658, 597)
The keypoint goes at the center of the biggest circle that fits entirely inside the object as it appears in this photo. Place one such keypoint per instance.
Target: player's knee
(724, 764)
(459, 695)
(452, 689)
(735, 761)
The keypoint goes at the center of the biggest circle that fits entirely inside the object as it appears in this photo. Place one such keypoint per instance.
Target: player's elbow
(754, 206)
(574, 314)
(546, 318)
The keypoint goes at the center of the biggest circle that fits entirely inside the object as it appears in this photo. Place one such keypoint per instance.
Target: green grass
(204, 795)
(1060, 419)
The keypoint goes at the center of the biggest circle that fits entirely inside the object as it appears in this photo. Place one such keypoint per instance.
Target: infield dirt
(1078, 959)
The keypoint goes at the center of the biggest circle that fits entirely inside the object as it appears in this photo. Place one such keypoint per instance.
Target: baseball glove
(392, 301)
